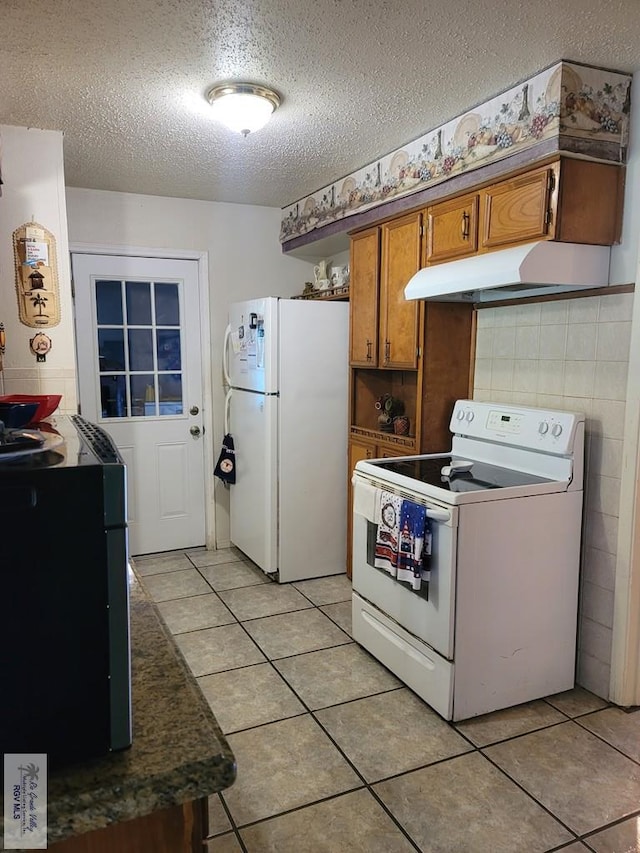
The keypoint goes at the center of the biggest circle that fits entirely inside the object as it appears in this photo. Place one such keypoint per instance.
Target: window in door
(139, 348)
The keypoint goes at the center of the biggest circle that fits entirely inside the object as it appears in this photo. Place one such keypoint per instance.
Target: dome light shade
(243, 107)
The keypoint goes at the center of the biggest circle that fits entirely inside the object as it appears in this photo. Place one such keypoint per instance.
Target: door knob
(195, 431)
(194, 410)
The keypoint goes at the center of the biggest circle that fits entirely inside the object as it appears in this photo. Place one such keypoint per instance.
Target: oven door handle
(439, 515)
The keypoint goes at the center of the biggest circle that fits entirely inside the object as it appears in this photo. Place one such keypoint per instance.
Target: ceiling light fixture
(243, 107)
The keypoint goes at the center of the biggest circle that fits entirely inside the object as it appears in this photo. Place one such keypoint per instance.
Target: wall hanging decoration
(40, 345)
(36, 267)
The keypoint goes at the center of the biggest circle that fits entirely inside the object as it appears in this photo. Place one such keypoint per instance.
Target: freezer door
(252, 352)
(253, 510)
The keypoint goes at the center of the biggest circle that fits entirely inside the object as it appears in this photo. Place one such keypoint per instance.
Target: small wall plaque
(40, 345)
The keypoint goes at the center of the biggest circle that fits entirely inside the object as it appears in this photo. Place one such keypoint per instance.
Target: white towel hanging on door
(366, 501)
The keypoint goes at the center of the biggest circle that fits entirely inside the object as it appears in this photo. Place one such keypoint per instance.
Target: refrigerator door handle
(227, 403)
(225, 359)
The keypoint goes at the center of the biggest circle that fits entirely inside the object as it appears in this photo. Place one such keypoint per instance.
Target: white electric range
(495, 625)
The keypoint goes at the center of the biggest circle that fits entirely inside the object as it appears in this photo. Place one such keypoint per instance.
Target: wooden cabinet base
(178, 829)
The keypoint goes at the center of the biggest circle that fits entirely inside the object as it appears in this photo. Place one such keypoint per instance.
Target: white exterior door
(139, 375)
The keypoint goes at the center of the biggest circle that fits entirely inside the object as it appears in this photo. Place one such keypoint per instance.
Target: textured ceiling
(125, 80)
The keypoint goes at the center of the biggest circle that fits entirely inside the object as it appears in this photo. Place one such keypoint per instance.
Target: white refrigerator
(286, 368)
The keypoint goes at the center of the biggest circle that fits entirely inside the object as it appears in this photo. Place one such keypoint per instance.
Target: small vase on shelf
(401, 425)
(390, 408)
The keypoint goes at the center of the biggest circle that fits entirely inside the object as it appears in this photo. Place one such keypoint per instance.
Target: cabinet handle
(368, 350)
(466, 219)
(551, 182)
(387, 351)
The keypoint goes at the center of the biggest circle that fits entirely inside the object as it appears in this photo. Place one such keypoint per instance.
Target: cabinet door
(393, 453)
(175, 829)
(519, 209)
(452, 229)
(363, 298)
(590, 200)
(358, 450)
(399, 318)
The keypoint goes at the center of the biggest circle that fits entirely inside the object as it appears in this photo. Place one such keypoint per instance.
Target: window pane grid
(149, 390)
(125, 323)
(154, 347)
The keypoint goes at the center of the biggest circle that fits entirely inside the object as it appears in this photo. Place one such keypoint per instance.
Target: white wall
(245, 261)
(33, 175)
(574, 354)
(624, 258)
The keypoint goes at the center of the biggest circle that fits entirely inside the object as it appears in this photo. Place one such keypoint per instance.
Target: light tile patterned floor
(336, 756)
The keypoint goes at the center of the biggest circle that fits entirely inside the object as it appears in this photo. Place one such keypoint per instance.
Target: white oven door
(430, 619)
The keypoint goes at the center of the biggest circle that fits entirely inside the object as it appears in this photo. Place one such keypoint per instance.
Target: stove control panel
(519, 426)
(500, 421)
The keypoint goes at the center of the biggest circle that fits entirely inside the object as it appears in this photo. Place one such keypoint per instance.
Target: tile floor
(335, 754)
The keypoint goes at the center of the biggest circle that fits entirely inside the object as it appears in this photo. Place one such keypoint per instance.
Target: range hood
(534, 269)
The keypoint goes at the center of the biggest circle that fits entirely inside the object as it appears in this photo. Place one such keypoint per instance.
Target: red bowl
(47, 403)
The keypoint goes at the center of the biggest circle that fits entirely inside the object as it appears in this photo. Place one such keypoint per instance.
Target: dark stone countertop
(178, 753)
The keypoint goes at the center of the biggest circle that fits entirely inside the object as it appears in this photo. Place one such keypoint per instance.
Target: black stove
(64, 587)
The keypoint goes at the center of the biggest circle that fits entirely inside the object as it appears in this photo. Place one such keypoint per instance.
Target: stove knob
(543, 428)
(469, 416)
(556, 430)
(460, 414)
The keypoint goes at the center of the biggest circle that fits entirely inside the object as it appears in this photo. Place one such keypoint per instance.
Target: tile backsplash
(572, 354)
(42, 380)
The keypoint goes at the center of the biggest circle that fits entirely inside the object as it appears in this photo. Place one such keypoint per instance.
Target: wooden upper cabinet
(590, 198)
(363, 296)
(521, 209)
(452, 229)
(399, 318)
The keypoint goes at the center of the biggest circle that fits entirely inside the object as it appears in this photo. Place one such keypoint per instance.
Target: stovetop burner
(479, 476)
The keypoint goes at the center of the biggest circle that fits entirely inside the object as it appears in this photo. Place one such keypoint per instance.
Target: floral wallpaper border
(564, 101)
